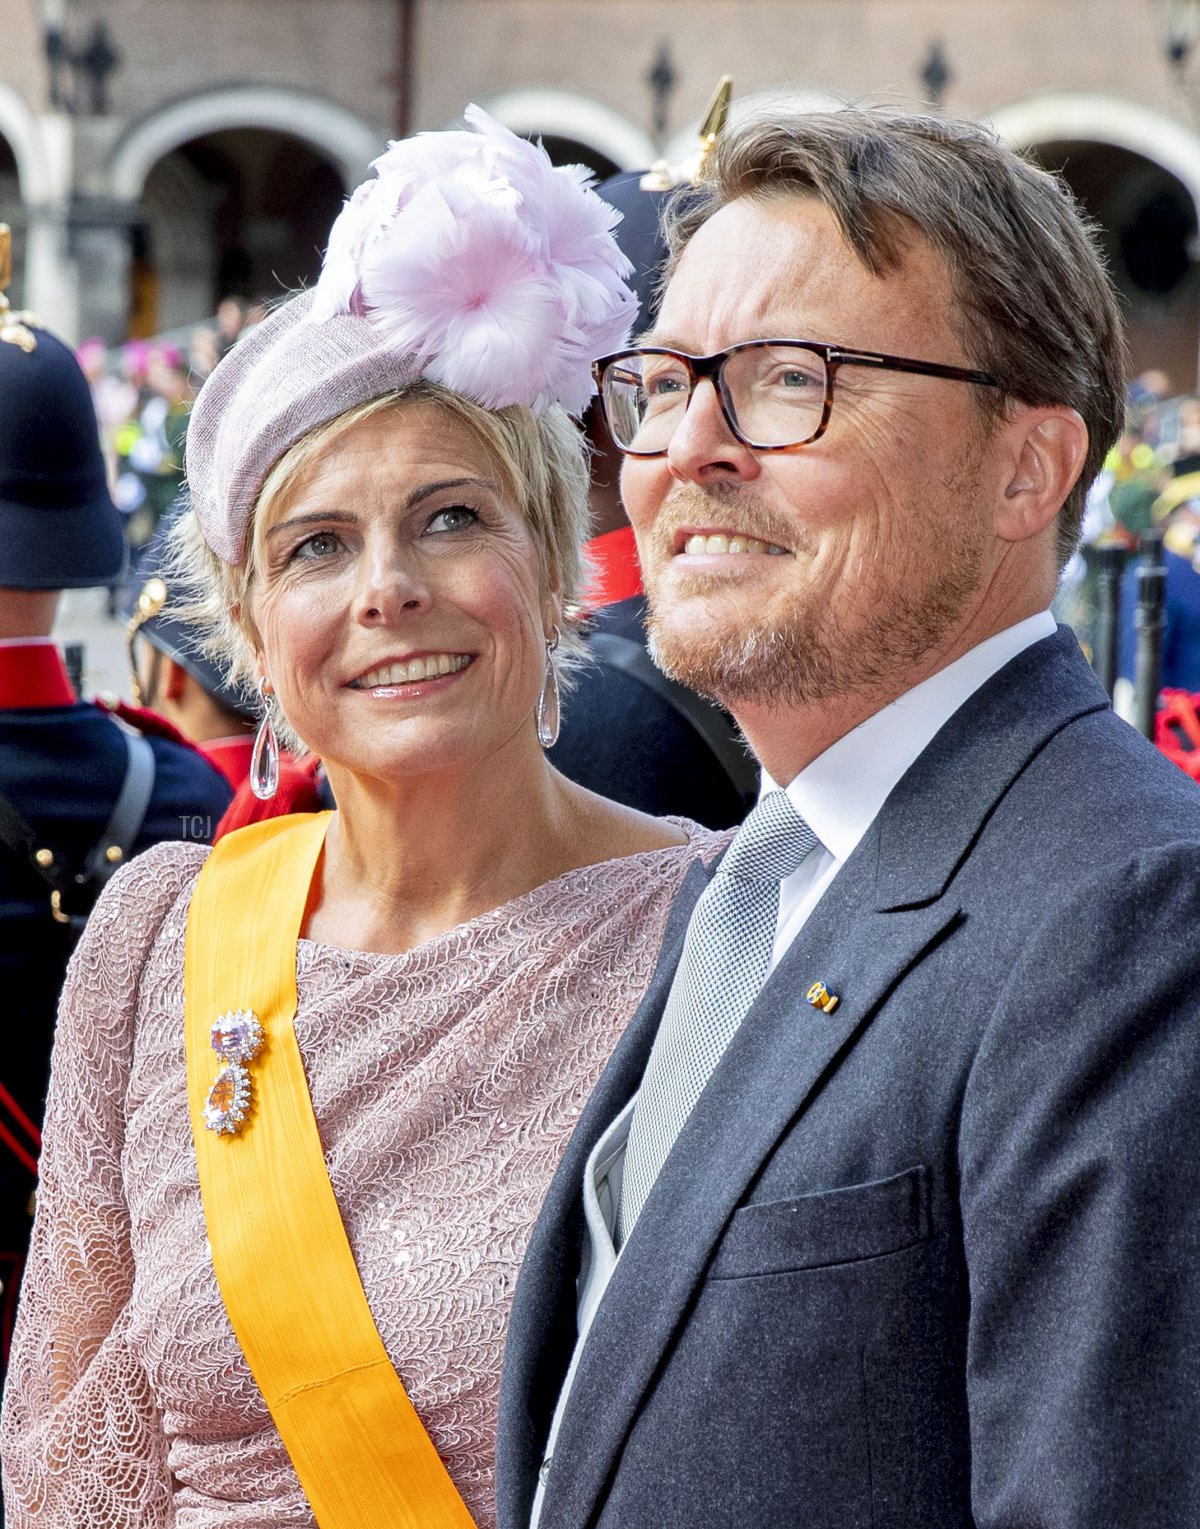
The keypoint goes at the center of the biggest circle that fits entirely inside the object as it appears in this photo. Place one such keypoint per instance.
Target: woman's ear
(1048, 448)
(259, 664)
(262, 679)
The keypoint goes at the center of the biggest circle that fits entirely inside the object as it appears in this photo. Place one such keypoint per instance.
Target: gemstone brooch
(237, 1038)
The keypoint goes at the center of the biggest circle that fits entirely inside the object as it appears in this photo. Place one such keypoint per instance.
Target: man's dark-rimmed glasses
(775, 394)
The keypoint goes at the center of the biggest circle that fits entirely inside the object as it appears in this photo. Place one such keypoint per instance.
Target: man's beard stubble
(812, 653)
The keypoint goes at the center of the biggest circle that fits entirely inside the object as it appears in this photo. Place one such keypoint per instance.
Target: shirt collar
(840, 793)
(230, 755)
(32, 674)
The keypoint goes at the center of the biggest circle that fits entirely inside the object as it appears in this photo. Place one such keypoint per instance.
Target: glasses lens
(775, 393)
(645, 397)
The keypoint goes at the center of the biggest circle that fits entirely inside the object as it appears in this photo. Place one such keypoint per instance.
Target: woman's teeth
(695, 545)
(427, 668)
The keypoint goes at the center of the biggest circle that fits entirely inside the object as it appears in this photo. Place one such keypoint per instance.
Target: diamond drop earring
(548, 704)
(264, 761)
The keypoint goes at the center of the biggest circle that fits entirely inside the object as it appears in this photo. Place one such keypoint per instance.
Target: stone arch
(1137, 172)
(240, 211)
(1095, 118)
(569, 114)
(348, 141)
(19, 128)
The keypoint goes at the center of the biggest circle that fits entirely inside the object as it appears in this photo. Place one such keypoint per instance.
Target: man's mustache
(740, 509)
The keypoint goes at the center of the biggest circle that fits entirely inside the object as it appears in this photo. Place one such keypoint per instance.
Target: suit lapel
(778, 1056)
(932, 818)
(542, 1326)
(884, 910)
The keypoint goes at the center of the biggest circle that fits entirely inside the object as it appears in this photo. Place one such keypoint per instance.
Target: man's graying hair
(1035, 307)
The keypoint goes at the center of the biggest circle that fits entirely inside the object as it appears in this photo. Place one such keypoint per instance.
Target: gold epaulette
(15, 328)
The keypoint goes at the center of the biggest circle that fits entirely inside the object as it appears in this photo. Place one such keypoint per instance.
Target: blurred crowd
(1154, 469)
(143, 394)
(1147, 501)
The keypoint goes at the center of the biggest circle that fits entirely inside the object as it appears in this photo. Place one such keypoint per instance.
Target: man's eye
(796, 377)
(665, 385)
(663, 393)
(457, 517)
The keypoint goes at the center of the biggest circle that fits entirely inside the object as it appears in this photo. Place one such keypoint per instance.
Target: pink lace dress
(446, 1083)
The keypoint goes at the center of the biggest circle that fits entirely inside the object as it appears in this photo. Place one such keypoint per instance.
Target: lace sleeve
(82, 1441)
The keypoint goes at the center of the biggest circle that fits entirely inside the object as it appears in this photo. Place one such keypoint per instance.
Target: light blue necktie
(724, 964)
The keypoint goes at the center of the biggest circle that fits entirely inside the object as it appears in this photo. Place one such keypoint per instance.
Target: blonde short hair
(541, 461)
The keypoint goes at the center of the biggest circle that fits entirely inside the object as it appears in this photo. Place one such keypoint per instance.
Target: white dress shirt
(838, 795)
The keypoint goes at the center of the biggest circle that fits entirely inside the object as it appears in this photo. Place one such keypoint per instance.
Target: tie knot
(770, 844)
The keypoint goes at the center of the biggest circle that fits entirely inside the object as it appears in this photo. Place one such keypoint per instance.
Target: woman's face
(398, 601)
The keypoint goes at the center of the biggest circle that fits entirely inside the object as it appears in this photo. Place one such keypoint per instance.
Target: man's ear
(1048, 445)
(174, 680)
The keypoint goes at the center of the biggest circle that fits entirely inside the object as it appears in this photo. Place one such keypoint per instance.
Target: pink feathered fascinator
(469, 260)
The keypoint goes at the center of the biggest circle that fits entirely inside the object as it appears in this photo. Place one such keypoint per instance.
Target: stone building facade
(162, 153)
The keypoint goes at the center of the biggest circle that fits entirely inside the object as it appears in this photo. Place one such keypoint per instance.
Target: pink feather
(470, 251)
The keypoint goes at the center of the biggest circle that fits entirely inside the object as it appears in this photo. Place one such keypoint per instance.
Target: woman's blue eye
(456, 517)
(323, 544)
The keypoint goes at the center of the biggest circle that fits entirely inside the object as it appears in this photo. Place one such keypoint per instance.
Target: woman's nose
(390, 584)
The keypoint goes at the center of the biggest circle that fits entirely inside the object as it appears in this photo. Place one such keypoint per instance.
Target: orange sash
(282, 1259)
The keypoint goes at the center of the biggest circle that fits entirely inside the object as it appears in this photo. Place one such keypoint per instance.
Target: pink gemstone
(237, 1036)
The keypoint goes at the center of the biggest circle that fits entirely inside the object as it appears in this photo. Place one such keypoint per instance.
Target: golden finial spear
(12, 330)
(662, 176)
(715, 119)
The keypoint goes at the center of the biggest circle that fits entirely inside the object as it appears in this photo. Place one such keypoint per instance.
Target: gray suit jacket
(932, 1260)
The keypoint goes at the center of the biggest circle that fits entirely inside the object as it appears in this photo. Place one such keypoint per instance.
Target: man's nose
(703, 446)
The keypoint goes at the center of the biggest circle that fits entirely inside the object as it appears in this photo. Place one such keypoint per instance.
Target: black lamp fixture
(79, 72)
(1179, 20)
(662, 80)
(935, 74)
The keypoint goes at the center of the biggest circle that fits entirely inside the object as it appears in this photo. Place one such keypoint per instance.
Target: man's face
(870, 548)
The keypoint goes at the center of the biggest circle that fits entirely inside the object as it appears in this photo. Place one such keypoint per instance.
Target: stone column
(99, 241)
(51, 282)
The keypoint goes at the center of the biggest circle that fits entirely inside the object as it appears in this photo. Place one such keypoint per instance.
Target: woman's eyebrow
(418, 494)
(340, 517)
(346, 517)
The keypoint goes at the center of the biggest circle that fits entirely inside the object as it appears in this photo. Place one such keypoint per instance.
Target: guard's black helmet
(59, 528)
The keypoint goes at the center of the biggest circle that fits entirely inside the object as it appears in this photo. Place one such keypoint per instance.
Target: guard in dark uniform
(80, 789)
(170, 671)
(628, 732)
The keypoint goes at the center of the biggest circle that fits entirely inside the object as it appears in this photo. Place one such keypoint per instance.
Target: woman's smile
(414, 675)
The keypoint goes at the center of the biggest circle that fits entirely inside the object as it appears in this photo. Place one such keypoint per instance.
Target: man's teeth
(695, 545)
(427, 668)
